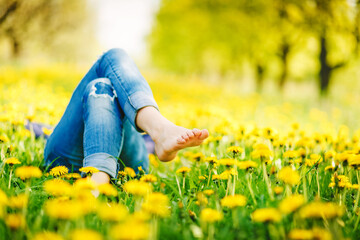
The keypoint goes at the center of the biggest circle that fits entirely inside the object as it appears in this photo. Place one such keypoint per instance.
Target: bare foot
(168, 137)
(174, 138)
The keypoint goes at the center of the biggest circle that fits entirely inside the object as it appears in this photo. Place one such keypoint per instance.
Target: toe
(196, 132)
(190, 134)
(185, 137)
(204, 134)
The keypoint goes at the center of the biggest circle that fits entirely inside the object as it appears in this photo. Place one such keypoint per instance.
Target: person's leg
(136, 101)
(134, 153)
(102, 127)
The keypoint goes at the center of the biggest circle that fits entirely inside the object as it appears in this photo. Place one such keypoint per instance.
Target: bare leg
(168, 137)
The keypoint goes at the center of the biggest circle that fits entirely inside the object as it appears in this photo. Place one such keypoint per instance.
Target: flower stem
(248, 176)
(358, 193)
(11, 170)
(211, 231)
(227, 186)
(304, 186)
(183, 185)
(318, 183)
(178, 184)
(209, 178)
(267, 182)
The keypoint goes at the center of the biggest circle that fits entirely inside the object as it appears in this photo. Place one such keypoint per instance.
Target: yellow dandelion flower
(153, 161)
(183, 170)
(262, 151)
(215, 177)
(137, 188)
(87, 200)
(3, 198)
(354, 161)
(67, 210)
(122, 174)
(208, 192)
(89, 170)
(228, 162)
(246, 164)
(278, 190)
(130, 172)
(340, 181)
(321, 210)
(15, 221)
(201, 199)
(300, 234)
(235, 150)
(148, 178)
(210, 215)
(59, 171)
(290, 154)
(80, 234)
(233, 201)
(201, 178)
(266, 215)
(57, 187)
(292, 203)
(47, 236)
(329, 168)
(211, 160)
(20, 201)
(112, 212)
(330, 155)
(316, 158)
(107, 189)
(85, 184)
(157, 204)
(343, 157)
(289, 176)
(198, 157)
(130, 230)
(47, 131)
(12, 161)
(225, 175)
(141, 216)
(4, 139)
(27, 172)
(321, 234)
(72, 176)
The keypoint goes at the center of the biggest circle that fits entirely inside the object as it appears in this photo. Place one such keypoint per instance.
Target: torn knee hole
(101, 89)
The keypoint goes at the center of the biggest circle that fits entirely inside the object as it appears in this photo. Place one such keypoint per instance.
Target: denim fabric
(98, 126)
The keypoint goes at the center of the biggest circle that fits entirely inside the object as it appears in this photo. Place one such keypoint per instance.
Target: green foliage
(40, 26)
(221, 37)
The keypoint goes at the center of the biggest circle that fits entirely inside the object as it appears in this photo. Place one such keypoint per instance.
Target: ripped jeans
(98, 126)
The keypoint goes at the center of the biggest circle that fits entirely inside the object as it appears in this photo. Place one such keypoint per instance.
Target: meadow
(272, 168)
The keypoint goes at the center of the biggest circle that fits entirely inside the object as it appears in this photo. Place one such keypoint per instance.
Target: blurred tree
(219, 36)
(328, 21)
(41, 23)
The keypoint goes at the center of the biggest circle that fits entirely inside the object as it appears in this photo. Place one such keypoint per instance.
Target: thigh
(66, 141)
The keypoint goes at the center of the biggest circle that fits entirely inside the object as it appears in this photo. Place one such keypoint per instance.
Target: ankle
(152, 122)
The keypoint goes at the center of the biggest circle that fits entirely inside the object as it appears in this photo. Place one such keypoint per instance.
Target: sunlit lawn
(273, 168)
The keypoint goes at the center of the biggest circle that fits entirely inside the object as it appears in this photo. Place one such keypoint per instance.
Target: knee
(115, 53)
(99, 89)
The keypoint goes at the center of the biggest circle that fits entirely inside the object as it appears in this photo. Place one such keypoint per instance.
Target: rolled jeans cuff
(135, 102)
(103, 162)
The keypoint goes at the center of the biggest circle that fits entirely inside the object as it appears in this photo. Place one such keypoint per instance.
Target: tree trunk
(260, 69)
(285, 49)
(325, 68)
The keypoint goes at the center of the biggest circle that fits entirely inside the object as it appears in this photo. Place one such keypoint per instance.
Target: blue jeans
(98, 127)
